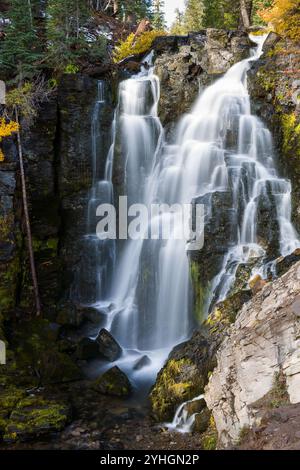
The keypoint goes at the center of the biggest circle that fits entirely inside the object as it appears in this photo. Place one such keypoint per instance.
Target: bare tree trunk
(116, 6)
(245, 13)
(27, 223)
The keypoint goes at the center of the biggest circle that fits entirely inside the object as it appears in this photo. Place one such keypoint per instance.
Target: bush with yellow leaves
(136, 45)
(6, 130)
(284, 17)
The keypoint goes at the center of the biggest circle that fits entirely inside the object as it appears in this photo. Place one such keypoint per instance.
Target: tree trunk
(27, 224)
(245, 13)
(116, 6)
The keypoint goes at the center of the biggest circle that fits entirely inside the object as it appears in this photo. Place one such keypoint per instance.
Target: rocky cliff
(274, 85)
(259, 355)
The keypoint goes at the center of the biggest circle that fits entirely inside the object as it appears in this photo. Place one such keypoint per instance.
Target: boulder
(202, 420)
(114, 382)
(36, 417)
(108, 346)
(141, 363)
(179, 381)
(9, 397)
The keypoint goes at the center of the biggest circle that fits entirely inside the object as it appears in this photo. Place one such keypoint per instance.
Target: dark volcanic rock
(114, 382)
(274, 87)
(186, 62)
(108, 346)
(36, 417)
(141, 363)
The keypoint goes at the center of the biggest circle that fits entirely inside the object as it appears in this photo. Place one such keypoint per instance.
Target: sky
(170, 7)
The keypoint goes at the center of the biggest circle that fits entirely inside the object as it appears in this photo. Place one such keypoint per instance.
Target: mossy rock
(202, 421)
(179, 381)
(36, 417)
(209, 439)
(225, 312)
(113, 382)
(9, 398)
(36, 347)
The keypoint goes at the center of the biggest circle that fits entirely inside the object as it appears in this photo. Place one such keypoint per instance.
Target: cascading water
(98, 266)
(149, 296)
(149, 311)
(183, 422)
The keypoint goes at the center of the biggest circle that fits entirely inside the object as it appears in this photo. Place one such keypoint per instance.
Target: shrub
(136, 45)
(6, 130)
(284, 16)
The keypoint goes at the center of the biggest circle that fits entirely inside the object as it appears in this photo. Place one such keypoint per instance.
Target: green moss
(179, 381)
(113, 382)
(266, 80)
(49, 244)
(200, 292)
(209, 439)
(36, 350)
(225, 312)
(9, 284)
(9, 398)
(35, 416)
(291, 135)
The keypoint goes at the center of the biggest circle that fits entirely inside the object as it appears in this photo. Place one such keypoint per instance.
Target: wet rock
(9, 397)
(179, 381)
(271, 41)
(274, 99)
(184, 63)
(283, 264)
(36, 417)
(202, 420)
(38, 353)
(87, 349)
(195, 406)
(108, 346)
(141, 363)
(114, 382)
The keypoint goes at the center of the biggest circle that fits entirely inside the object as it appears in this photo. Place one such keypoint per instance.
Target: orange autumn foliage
(284, 17)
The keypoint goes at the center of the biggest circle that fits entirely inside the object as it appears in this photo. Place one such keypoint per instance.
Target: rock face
(186, 63)
(263, 343)
(274, 87)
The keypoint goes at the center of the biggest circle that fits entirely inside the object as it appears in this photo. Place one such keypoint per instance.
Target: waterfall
(98, 263)
(219, 147)
(183, 422)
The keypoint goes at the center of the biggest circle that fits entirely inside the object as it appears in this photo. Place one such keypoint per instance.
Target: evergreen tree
(178, 26)
(158, 16)
(64, 30)
(222, 14)
(138, 8)
(193, 17)
(20, 51)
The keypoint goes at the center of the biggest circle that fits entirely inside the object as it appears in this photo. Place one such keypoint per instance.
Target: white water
(183, 422)
(149, 299)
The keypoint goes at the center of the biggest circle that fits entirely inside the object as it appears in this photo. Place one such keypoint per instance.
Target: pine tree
(222, 14)
(178, 26)
(193, 17)
(20, 51)
(138, 8)
(158, 16)
(64, 33)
